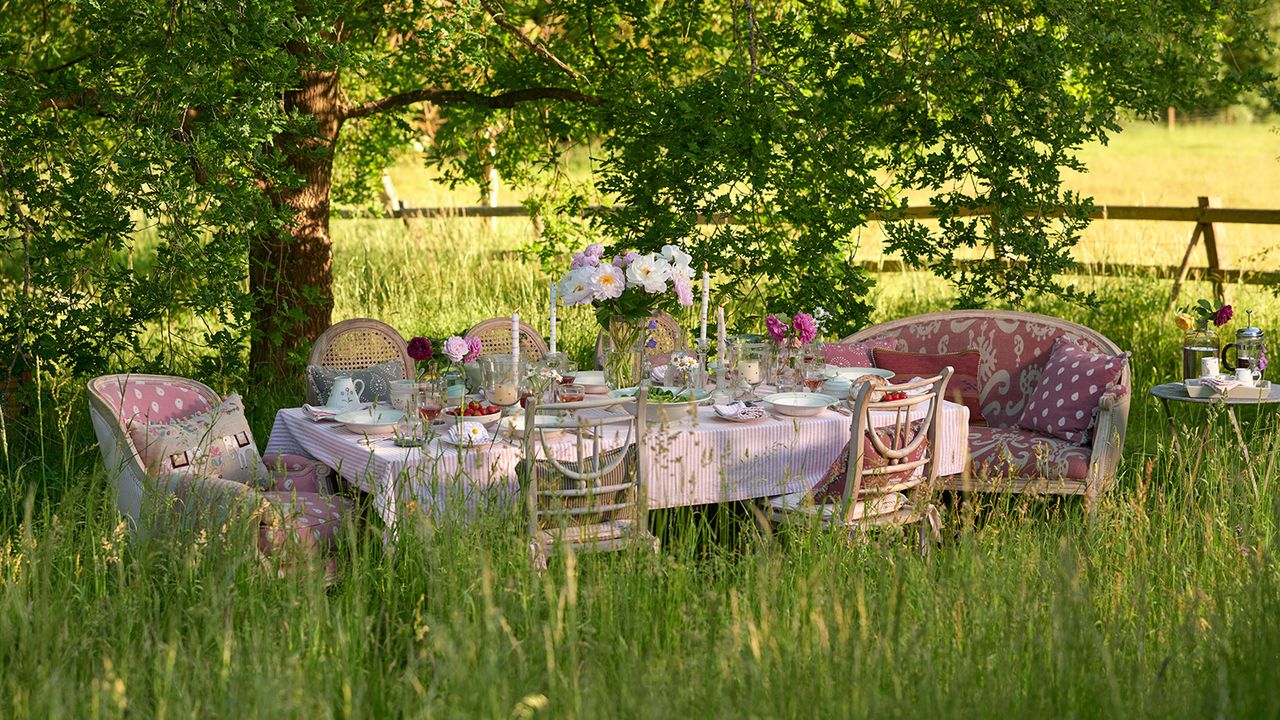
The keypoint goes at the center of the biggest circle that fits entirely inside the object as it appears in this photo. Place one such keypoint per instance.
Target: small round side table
(1177, 392)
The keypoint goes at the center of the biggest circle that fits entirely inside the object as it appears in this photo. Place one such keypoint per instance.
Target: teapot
(1250, 347)
(345, 392)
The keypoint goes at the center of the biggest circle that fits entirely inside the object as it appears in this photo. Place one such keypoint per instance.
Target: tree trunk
(290, 269)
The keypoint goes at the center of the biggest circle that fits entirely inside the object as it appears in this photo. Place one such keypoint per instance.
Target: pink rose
(473, 350)
(805, 328)
(1223, 316)
(684, 292)
(455, 348)
(777, 329)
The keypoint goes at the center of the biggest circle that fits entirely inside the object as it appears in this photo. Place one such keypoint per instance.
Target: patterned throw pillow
(853, 354)
(375, 378)
(831, 487)
(216, 442)
(963, 387)
(1064, 403)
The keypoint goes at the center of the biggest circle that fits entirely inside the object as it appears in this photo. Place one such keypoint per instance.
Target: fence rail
(1207, 215)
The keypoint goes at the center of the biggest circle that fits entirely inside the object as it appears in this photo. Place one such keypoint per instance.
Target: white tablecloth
(699, 461)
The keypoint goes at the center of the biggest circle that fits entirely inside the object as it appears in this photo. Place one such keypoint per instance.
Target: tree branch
(500, 101)
(500, 17)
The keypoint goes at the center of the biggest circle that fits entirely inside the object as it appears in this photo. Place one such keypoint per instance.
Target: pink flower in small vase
(456, 348)
(777, 329)
(805, 328)
(473, 350)
(420, 349)
(684, 291)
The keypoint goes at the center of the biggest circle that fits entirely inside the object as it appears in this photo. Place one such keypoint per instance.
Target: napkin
(739, 411)
(658, 374)
(324, 412)
(467, 434)
(1222, 384)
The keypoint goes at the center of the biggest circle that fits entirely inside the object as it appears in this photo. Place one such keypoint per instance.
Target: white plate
(369, 421)
(592, 381)
(850, 373)
(798, 404)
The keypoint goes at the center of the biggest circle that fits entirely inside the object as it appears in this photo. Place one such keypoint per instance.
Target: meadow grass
(1162, 603)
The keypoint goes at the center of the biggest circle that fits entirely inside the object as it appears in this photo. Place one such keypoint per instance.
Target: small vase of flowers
(1199, 341)
(791, 341)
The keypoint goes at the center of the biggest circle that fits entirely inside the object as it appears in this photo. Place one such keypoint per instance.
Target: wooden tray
(1196, 389)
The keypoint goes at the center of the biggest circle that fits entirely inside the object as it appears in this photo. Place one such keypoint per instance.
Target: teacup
(1245, 376)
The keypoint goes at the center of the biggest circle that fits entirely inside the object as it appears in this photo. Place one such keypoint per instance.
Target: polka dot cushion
(1064, 403)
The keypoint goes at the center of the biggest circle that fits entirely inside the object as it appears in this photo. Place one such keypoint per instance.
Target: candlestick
(722, 350)
(553, 316)
(515, 339)
(706, 301)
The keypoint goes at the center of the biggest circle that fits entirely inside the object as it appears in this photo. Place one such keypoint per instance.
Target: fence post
(390, 199)
(1213, 232)
(1184, 267)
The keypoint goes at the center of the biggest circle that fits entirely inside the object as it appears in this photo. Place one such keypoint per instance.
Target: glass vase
(1199, 343)
(626, 363)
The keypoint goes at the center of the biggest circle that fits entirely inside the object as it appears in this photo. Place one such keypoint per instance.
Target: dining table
(700, 459)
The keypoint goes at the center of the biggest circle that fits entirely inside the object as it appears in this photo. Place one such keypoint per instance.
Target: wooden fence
(1208, 216)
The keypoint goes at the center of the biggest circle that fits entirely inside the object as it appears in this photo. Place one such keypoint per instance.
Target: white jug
(345, 392)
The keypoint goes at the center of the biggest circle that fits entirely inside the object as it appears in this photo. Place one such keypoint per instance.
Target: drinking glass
(572, 393)
(814, 375)
(428, 399)
(502, 379)
(751, 364)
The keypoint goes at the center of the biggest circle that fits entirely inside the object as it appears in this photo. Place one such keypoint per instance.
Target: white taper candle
(515, 340)
(553, 316)
(706, 302)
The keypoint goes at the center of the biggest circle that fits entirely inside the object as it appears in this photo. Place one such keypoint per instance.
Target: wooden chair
(882, 463)
(357, 344)
(668, 337)
(495, 338)
(597, 501)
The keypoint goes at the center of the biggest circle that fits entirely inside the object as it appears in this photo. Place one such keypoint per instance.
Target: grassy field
(1162, 604)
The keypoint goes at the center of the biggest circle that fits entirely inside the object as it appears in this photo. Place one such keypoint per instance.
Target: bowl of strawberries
(475, 411)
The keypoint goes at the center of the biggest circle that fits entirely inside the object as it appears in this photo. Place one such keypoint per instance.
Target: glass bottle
(1200, 342)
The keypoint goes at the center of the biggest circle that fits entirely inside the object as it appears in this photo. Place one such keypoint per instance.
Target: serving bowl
(800, 404)
(667, 412)
(853, 373)
(371, 420)
(591, 381)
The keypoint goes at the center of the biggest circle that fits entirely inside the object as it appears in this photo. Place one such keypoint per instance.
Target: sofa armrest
(209, 502)
(1109, 434)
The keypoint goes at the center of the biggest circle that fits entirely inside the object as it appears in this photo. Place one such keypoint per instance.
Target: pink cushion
(292, 473)
(1013, 352)
(304, 522)
(852, 354)
(831, 487)
(1064, 403)
(961, 388)
(1002, 453)
(215, 442)
(150, 398)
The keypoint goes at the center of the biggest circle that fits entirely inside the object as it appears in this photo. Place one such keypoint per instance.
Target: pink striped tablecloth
(699, 461)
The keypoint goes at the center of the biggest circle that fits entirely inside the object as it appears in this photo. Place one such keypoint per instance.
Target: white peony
(650, 272)
(607, 282)
(676, 256)
(575, 288)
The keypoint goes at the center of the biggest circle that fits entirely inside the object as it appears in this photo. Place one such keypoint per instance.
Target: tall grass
(1162, 603)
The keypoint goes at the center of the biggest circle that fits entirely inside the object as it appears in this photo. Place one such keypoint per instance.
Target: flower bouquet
(791, 341)
(1199, 341)
(626, 292)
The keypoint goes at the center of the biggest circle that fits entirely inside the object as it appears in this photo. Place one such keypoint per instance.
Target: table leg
(1244, 449)
(1173, 434)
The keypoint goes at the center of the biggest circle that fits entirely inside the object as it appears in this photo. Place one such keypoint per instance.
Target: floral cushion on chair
(375, 380)
(302, 522)
(1005, 453)
(1064, 403)
(214, 442)
(831, 487)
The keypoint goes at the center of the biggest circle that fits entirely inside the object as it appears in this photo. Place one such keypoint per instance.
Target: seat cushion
(293, 473)
(963, 388)
(302, 522)
(1009, 452)
(831, 487)
(1064, 403)
(214, 442)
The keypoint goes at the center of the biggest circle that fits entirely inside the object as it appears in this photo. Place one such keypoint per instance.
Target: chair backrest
(905, 445)
(116, 401)
(1014, 348)
(494, 335)
(593, 485)
(667, 336)
(357, 344)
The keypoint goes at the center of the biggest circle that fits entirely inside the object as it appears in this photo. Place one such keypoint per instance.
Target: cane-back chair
(358, 344)
(494, 335)
(577, 492)
(892, 450)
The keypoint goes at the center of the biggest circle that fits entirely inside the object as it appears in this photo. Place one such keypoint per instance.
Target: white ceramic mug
(345, 392)
(1245, 375)
(1209, 367)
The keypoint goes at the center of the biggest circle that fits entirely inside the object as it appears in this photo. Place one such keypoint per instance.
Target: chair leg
(537, 558)
(930, 530)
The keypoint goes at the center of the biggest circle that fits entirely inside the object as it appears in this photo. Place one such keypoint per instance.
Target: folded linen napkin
(739, 411)
(467, 434)
(1222, 384)
(658, 374)
(324, 412)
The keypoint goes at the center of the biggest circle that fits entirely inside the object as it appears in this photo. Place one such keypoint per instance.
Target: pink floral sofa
(293, 518)
(1014, 347)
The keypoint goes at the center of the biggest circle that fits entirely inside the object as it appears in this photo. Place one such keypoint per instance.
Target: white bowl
(852, 373)
(660, 412)
(370, 421)
(799, 404)
(486, 420)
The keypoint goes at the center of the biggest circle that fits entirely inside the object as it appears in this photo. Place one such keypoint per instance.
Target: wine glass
(572, 393)
(814, 375)
(429, 400)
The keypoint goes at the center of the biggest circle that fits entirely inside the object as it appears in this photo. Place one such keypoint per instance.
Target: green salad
(663, 395)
